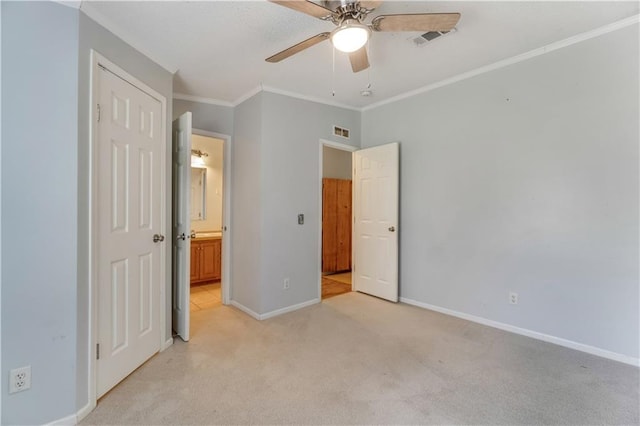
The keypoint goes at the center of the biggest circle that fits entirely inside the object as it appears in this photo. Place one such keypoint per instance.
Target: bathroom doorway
(207, 211)
(336, 219)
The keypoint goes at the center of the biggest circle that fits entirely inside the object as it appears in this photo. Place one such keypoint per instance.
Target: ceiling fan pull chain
(369, 69)
(333, 72)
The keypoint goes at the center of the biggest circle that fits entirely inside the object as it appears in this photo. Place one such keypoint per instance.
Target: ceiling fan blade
(359, 59)
(422, 22)
(304, 6)
(298, 47)
(370, 4)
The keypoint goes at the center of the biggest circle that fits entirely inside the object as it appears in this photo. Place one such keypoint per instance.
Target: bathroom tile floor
(205, 296)
(336, 284)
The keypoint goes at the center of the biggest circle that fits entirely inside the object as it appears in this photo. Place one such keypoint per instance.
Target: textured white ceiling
(219, 47)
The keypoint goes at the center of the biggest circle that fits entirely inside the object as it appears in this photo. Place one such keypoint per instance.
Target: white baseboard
(275, 313)
(74, 419)
(71, 420)
(289, 309)
(245, 310)
(529, 333)
(84, 411)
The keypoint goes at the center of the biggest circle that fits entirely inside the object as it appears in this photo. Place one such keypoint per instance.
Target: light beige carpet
(355, 359)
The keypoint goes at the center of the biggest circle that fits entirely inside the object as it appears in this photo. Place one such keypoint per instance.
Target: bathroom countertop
(209, 235)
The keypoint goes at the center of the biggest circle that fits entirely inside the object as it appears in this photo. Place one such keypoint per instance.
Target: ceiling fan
(352, 33)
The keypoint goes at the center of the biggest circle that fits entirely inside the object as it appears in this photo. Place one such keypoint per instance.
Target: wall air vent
(339, 131)
(423, 39)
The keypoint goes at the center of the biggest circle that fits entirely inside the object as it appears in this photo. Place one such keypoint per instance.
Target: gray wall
(246, 203)
(276, 176)
(39, 208)
(292, 129)
(336, 163)
(212, 118)
(94, 36)
(525, 179)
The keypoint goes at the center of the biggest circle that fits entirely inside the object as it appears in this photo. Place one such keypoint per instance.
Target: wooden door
(336, 225)
(129, 166)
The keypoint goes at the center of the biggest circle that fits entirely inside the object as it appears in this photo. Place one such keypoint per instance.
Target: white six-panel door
(129, 151)
(375, 212)
(181, 283)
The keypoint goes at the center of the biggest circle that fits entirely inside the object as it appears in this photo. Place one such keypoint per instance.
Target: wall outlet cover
(20, 379)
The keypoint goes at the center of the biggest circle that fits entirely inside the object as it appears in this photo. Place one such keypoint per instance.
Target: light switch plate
(300, 219)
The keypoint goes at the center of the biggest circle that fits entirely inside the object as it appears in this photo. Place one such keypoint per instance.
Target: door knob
(181, 237)
(392, 229)
(158, 238)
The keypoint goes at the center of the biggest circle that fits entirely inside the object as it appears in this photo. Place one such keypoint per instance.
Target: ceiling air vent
(339, 131)
(423, 39)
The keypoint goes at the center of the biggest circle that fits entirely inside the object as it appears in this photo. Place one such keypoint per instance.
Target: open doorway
(336, 219)
(207, 190)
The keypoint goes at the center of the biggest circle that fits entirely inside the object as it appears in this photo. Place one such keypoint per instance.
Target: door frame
(98, 61)
(342, 147)
(225, 279)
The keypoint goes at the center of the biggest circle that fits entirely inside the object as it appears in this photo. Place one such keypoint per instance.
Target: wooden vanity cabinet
(205, 260)
(195, 261)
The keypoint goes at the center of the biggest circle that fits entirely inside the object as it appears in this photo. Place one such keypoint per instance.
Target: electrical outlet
(20, 379)
(286, 284)
(513, 298)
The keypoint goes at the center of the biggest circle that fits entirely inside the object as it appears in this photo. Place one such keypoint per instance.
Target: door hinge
(97, 350)
(99, 113)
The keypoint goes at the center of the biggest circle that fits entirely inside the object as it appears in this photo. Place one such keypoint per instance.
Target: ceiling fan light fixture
(350, 36)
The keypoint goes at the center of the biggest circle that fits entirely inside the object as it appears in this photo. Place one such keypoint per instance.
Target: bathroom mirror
(198, 193)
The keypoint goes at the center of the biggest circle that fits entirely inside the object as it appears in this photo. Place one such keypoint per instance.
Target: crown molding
(203, 100)
(308, 98)
(251, 93)
(623, 23)
(74, 4)
(88, 9)
(255, 91)
(460, 77)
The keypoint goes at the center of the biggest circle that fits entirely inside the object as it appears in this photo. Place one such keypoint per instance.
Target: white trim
(510, 61)
(289, 309)
(308, 98)
(261, 88)
(84, 412)
(251, 93)
(226, 211)
(125, 36)
(245, 310)
(97, 60)
(74, 4)
(338, 145)
(73, 419)
(202, 100)
(321, 145)
(275, 313)
(529, 333)
(167, 343)
(70, 420)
